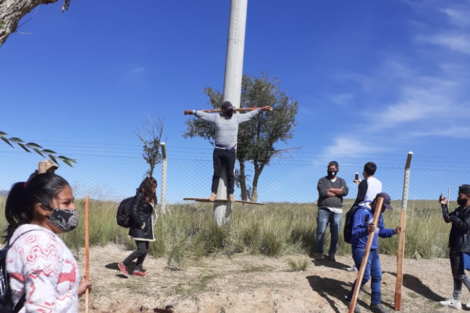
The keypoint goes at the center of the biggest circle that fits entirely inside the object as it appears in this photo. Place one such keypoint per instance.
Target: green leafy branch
(2, 25)
(36, 148)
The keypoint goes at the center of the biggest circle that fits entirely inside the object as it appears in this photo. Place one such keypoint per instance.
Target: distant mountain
(3, 192)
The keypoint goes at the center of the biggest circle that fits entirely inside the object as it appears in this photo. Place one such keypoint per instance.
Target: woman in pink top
(39, 264)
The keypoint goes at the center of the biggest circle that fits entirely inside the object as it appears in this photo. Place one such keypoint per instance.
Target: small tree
(45, 153)
(256, 138)
(151, 138)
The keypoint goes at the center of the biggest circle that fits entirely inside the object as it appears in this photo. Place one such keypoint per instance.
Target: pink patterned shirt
(41, 264)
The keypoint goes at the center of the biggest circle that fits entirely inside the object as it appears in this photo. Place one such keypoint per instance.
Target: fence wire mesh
(115, 175)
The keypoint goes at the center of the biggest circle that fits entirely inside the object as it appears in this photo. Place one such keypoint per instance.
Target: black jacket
(459, 238)
(142, 219)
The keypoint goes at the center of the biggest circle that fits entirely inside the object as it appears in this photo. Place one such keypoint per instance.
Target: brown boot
(231, 198)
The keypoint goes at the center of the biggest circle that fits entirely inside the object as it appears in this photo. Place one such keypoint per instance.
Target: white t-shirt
(374, 186)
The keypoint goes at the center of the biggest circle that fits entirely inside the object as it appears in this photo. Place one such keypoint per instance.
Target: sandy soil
(255, 284)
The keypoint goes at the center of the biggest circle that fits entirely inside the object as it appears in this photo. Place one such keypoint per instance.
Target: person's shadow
(114, 266)
(331, 288)
(332, 264)
(414, 283)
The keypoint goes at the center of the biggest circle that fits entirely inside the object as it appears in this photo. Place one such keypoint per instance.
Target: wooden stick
(87, 252)
(401, 239)
(235, 109)
(365, 258)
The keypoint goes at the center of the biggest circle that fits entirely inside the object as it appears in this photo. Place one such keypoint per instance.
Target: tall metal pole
(401, 239)
(232, 88)
(163, 186)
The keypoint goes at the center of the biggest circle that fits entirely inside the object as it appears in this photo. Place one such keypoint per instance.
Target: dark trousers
(140, 253)
(458, 273)
(227, 158)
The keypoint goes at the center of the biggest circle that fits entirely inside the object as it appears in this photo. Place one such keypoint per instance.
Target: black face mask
(461, 201)
(332, 174)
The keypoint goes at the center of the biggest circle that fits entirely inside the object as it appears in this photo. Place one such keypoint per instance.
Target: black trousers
(227, 158)
(140, 253)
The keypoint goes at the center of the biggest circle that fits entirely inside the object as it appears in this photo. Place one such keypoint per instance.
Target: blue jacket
(362, 219)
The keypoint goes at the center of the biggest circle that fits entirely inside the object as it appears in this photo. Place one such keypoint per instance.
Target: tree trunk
(242, 179)
(12, 11)
(254, 191)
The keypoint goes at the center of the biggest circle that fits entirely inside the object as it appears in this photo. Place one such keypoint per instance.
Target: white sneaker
(452, 303)
(467, 305)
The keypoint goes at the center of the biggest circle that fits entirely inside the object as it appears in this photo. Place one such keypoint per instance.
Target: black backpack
(6, 302)
(123, 216)
(348, 225)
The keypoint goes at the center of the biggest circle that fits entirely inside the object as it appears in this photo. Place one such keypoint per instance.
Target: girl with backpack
(141, 230)
(43, 273)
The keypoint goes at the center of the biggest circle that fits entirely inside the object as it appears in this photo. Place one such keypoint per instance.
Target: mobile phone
(356, 176)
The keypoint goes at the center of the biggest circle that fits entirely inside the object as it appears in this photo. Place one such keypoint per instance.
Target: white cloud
(455, 41)
(342, 99)
(349, 146)
(136, 70)
(458, 17)
(453, 132)
(366, 82)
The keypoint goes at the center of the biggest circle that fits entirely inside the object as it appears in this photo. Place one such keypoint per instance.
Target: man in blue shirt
(362, 228)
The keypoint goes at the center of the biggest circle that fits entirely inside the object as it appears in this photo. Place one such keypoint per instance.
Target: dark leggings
(140, 253)
(458, 273)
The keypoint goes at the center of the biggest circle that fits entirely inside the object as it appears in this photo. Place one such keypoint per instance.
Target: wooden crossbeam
(220, 200)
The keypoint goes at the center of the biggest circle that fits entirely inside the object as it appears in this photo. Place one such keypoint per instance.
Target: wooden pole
(87, 252)
(365, 258)
(401, 239)
(235, 110)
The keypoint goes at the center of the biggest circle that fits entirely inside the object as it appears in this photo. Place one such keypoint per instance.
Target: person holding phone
(459, 243)
(370, 186)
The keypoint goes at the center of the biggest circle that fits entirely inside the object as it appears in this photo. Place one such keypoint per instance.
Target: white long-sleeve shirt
(226, 129)
(40, 264)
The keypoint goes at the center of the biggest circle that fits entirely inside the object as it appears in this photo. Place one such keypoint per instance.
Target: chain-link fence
(114, 176)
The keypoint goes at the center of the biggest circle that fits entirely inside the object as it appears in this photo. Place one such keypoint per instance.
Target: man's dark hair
(370, 168)
(333, 163)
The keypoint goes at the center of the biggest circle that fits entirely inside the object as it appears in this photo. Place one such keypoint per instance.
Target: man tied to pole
(226, 133)
(362, 228)
(459, 243)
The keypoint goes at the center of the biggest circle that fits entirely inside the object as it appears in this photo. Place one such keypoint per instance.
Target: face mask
(63, 219)
(331, 173)
(461, 201)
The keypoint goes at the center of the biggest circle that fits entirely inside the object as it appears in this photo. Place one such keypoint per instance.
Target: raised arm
(202, 114)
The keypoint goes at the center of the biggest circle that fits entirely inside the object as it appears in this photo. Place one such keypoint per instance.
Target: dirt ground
(255, 284)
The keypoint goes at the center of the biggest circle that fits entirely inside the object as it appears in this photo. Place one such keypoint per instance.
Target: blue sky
(374, 79)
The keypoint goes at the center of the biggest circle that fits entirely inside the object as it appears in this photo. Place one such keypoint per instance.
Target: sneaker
(378, 308)
(467, 305)
(212, 197)
(123, 269)
(356, 308)
(231, 198)
(140, 273)
(332, 257)
(319, 256)
(452, 303)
